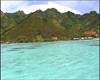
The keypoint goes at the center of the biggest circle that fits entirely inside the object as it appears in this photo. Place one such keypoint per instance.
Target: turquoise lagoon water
(50, 60)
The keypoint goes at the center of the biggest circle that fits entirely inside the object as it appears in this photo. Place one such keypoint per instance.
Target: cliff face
(49, 24)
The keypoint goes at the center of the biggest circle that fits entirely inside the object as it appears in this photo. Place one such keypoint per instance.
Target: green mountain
(48, 25)
(9, 20)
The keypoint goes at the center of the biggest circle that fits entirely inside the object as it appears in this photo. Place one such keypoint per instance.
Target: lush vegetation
(48, 25)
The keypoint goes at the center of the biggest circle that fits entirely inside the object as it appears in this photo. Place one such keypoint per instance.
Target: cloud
(12, 6)
(82, 6)
(9, 6)
(49, 5)
(78, 7)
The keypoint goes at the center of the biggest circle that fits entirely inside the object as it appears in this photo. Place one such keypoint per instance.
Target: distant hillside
(48, 25)
(9, 20)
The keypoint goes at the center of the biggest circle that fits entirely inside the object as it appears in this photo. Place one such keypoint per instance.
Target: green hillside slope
(48, 25)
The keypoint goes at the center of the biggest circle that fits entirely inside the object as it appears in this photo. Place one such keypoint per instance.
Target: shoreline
(50, 41)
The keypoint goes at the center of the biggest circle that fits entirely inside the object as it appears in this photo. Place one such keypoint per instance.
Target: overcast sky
(76, 6)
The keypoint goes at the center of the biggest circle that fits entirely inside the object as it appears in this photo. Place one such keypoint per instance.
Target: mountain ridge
(48, 25)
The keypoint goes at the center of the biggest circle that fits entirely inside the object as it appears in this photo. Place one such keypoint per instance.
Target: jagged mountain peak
(51, 10)
(49, 23)
(20, 12)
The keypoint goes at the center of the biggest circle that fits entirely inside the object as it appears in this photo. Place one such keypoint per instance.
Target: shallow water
(50, 60)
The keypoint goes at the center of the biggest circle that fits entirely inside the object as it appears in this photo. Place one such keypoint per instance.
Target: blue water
(50, 60)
